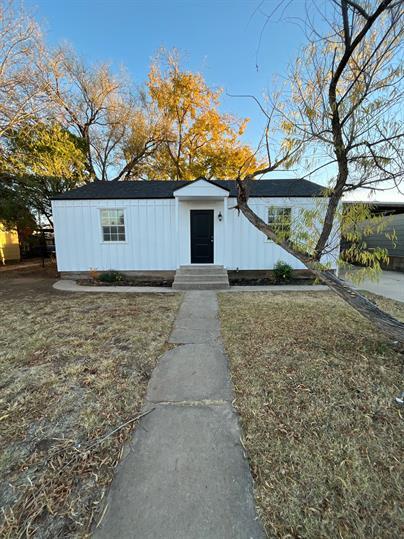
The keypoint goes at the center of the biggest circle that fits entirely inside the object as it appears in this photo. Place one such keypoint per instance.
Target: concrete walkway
(68, 285)
(390, 285)
(185, 475)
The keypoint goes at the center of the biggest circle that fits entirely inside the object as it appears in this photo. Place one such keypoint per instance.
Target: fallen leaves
(74, 370)
(315, 388)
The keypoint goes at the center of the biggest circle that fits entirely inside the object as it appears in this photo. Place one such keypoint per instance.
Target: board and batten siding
(149, 231)
(248, 248)
(155, 240)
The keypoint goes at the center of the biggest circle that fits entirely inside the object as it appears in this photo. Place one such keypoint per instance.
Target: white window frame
(109, 242)
(278, 208)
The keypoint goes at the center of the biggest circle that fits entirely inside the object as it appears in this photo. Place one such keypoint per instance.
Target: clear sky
(219, 38)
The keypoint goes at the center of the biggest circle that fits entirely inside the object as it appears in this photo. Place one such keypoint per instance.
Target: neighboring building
(394, 213)
(37, 243)
(9, 246)
(149, 226)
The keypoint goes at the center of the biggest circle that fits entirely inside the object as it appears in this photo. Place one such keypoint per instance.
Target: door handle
(211, 239)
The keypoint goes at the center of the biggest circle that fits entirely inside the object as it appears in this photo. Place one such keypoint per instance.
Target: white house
(157, 226)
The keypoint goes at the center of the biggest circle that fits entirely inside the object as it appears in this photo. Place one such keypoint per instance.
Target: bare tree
(20, 48)
(118, 129)
(345, 94)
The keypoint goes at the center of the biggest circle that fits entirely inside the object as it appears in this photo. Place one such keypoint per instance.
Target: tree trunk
(389, 325)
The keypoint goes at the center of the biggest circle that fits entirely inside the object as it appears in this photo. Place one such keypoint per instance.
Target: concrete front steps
(201, 277)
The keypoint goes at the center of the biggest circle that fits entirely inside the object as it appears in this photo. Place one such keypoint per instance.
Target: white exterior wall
(149, 229)
(158, 234)
(248, 247)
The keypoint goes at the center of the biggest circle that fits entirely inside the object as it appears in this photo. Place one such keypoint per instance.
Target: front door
(201, 236)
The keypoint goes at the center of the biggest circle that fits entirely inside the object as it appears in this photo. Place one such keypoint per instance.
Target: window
(280, 220)
(113, 225)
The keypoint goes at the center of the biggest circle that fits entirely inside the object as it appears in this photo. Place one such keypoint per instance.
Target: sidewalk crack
(202, 402)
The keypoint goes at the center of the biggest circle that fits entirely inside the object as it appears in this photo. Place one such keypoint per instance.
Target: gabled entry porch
(201, 223)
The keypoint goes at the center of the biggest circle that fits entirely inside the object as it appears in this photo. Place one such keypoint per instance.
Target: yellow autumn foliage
(199, 140)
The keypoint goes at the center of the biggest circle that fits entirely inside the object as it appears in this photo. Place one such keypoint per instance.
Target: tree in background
(39, 161)
(199, 140)
(45, 149)
(345, 92)
(20, 47)
(20, 101)
(171, 128)
(15, 213)
(113, 120)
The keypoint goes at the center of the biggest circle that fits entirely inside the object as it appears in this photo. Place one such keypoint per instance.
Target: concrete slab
(191, 372)
(68, 285)
(185, 335)
(197, 321)
(199, 304)
(184, 478)
(390, 285)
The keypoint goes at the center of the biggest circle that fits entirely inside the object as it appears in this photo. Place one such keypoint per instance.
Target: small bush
(94, 274)
(111, 277)
(282, 272)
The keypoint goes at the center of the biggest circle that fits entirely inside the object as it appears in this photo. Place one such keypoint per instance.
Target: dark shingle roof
(165, 189)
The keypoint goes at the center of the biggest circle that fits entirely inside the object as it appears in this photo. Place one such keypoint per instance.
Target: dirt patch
(127, 282)
(25, 282)
(72, 369)
(315, 387)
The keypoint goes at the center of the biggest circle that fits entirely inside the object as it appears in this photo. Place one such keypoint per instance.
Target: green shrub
(111, 277)
(282, 272)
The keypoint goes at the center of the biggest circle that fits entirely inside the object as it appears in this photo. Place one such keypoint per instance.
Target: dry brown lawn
(315, 387)
(72, 369)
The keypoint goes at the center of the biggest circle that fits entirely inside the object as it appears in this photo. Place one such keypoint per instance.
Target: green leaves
(49, 150)
(38, 161)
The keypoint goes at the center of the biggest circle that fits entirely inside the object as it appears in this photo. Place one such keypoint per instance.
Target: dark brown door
(202, 236)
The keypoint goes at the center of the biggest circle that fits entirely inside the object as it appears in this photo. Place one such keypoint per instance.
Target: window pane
(112, 217)
(280, 220)
(115, 217)
(104, 217)
(112, 222)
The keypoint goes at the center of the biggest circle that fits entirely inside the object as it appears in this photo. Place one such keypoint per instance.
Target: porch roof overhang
(201, 189)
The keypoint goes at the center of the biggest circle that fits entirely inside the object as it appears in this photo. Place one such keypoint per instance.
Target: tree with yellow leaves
(199, 140)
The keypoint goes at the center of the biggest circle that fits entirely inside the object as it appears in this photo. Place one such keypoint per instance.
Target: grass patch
(315, 387)
(72, 368)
